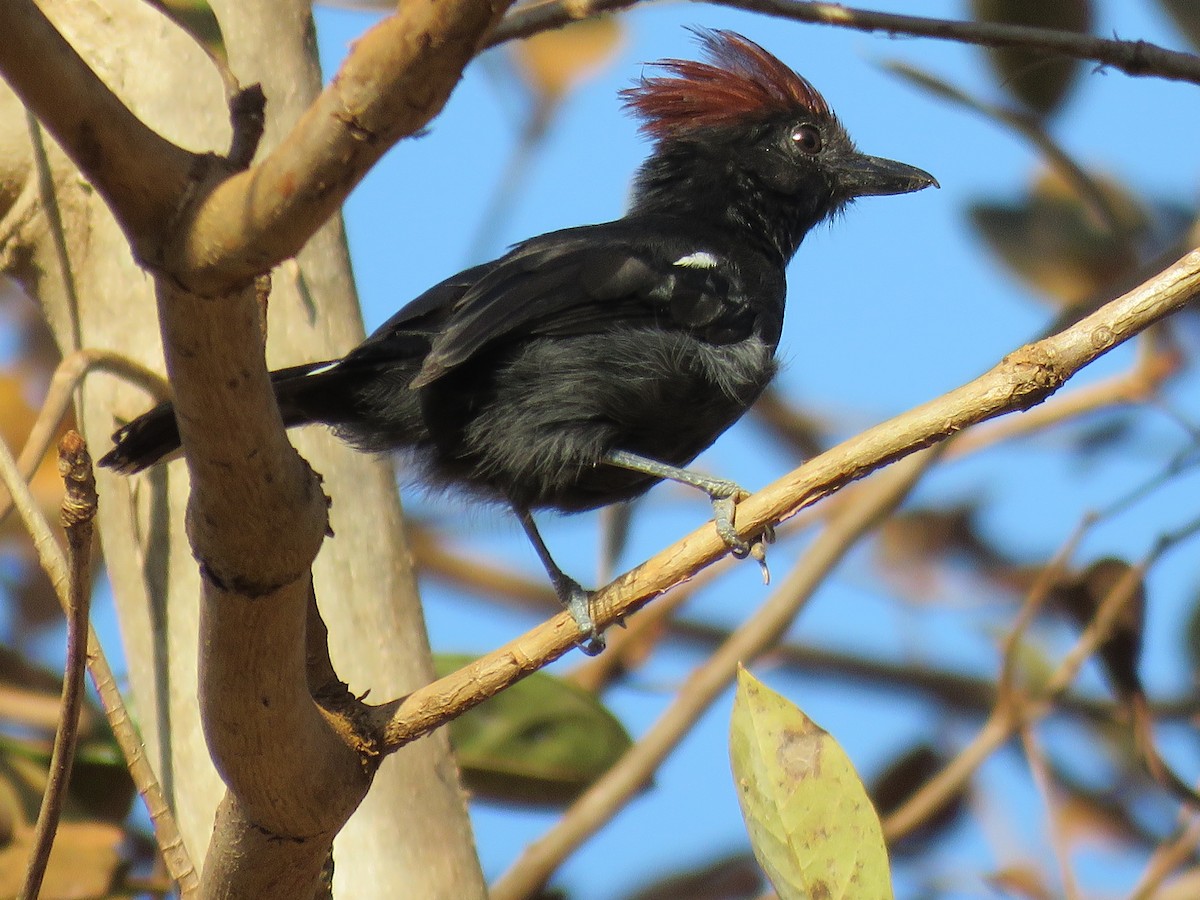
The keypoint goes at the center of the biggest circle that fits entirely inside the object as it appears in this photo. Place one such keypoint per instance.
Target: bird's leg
(723, 494)
(577, 600)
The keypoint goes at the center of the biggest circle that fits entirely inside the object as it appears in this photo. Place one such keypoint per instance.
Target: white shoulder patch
(701, 259)
(321, 369)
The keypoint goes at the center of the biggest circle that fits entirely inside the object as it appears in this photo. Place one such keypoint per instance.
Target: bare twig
(1150, 372)
(1011, 714)
(963, 692)
(1054, 822)
(67, 376)
(1131, 57)
(754, 637)
(1050, 575)
(1167, 859)
(50, 554)
(78, 511)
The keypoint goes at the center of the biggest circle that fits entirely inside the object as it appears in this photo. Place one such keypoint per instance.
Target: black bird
(585, 365)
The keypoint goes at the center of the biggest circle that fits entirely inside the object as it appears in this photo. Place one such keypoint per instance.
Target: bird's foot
(578, 602)
(723, 494)
(725, 497)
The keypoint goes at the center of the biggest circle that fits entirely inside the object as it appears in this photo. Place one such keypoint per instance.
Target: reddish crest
(741, 81)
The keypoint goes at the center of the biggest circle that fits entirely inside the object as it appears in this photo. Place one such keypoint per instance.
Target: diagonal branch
(636, 768)
(1024, 378)
(396, 78)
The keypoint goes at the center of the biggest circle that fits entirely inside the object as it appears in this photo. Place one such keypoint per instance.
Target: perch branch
(1022, 379)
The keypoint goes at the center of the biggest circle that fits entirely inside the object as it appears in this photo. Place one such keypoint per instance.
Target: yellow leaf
(811, 824)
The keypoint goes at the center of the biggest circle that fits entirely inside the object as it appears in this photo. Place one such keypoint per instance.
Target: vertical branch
(166, 831)
(1059, 839)
(78, 511)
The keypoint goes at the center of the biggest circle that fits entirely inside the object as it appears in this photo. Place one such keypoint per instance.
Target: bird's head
(745, 122)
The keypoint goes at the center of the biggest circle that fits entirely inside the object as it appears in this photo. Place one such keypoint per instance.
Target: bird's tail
(154, 435)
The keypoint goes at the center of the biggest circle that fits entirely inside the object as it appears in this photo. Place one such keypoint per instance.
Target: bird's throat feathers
(706, 179)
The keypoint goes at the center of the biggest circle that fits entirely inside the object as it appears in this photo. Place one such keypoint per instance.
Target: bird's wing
(572, 283)
(429, 311)
(408, 334)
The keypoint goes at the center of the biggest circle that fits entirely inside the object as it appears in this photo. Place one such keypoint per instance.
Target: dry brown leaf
(553, 62)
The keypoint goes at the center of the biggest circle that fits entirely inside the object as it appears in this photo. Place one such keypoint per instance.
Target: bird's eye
(807, 138)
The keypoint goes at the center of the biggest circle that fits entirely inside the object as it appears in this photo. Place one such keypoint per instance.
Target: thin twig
(67, 376)
(998, 727)
(753, 638)
(1054, 818)
(1050, 575)
(50, 554)
(1131, 57)
(969, 694)
(1165, 860)
(78, 511)
(1009, 715)
(1149, 373)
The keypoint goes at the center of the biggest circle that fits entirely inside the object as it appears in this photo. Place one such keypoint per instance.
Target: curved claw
(724, 495)
(723, 515)
(724, 511)
(759, 552)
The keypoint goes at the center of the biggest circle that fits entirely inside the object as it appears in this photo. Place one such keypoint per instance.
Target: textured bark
(95, 295)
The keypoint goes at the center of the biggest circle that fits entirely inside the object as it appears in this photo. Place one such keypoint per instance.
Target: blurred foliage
(1074, 237)
(542, 742)
(734, 877)
(900, 780)
(92, 852)
(1052, 240)
(1021, 882)
(552, 63)
(1080, 596)
(1039, 80)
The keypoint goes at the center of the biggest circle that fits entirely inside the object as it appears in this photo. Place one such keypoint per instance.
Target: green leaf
(542, 741)
(811, 825)
(197, 19)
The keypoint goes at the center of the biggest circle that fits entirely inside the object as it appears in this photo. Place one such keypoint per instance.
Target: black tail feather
(154, 435)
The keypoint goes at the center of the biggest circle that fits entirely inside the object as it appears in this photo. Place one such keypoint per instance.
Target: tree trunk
(59, 240)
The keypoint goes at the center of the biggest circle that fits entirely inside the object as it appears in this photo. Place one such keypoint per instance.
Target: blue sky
(891, 305)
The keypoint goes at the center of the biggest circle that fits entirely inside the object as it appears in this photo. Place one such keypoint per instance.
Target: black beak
(871, 176)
